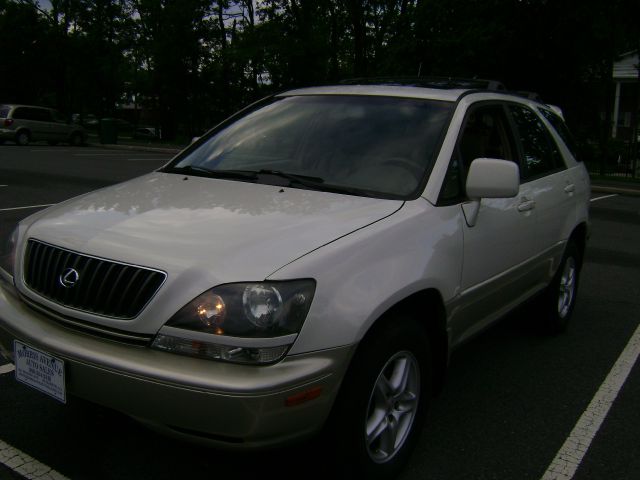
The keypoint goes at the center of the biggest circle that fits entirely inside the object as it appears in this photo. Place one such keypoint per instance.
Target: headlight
(8, 252)
(240, 322)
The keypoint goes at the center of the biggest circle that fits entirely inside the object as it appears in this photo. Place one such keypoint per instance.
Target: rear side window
(541, 155)
(28, 113)
(561, 129)
(21, 114)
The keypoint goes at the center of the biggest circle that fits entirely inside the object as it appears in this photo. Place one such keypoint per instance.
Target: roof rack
(428, 82)
(530, 95)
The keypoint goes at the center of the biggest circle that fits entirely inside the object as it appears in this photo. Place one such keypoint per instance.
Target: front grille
(100, 331)
(98, 286)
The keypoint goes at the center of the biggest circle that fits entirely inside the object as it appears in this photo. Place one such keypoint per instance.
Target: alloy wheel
(392, 408)
(567, 289)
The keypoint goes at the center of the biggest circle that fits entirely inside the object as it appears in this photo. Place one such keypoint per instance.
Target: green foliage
(190, 63)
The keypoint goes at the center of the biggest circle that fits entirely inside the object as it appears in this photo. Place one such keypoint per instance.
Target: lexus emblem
(69, 277)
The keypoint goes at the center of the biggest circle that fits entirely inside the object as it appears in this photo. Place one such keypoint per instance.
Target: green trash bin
(108, 130)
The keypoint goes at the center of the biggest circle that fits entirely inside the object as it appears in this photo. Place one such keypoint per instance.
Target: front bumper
(233, 406)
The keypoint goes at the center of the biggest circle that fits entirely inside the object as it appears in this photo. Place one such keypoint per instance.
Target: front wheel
(380, 410)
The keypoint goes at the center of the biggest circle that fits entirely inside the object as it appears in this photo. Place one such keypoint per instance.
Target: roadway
(512, 398)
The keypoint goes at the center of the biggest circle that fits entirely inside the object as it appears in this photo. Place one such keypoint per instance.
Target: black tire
(76, 139)
(374, 429)
(559, 298)
(23, 137)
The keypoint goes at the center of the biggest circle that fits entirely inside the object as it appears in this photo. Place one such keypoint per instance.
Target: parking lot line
(48, 150)
(148, 159)
(602, 198)
(9, 367)
(570, 455)
(25, 465)
(25, 208)
(97, 154)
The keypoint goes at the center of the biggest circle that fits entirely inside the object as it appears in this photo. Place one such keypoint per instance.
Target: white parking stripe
(25, 465)
(48, 150)
(25, 208)
(97, 154)
(602, 198)
(4, 185)
(148, 159)
(570, 455)
(9, 367)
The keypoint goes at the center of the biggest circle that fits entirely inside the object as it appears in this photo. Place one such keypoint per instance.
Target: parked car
(24, 124)
(309, 264)
(146, 133)
(89, 121)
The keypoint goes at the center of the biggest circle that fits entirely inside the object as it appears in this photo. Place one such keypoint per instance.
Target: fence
(618, 160)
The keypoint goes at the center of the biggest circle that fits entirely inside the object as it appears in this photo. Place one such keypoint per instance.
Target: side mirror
(489, 178)
(493, 178)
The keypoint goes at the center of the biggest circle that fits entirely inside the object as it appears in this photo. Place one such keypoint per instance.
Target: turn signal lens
(197, 348)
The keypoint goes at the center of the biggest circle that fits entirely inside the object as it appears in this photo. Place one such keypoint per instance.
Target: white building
(627, 82)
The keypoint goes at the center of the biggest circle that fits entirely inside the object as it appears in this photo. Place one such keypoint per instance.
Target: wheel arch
(579, 236)
(433, 320)
(76, 133)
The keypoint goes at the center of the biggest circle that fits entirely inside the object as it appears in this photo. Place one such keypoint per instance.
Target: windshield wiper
(312, 183)
(305, 180)
(316, 183)
(208, 172)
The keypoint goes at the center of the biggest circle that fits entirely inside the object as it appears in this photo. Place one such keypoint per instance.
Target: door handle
(526, 205)
(570, 188)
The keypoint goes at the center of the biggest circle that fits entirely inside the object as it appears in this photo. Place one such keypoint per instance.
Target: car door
(59, 129)
(499, 245)
(40, 121)
(550, 182)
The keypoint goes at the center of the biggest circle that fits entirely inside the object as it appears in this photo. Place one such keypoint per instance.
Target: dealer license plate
(40, 370)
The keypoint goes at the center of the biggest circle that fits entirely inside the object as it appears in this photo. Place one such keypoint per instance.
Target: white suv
(311, 262)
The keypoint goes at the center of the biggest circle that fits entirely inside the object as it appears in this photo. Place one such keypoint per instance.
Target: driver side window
(485, 134)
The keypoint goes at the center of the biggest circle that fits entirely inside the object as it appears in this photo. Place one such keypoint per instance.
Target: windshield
(375, 146)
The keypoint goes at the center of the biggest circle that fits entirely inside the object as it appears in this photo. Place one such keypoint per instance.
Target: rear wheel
(559, 299)
(381, 407)
(76, 139)
(23, 138)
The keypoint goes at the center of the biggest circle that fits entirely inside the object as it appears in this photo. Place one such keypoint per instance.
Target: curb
(142, 148)
(619, 190)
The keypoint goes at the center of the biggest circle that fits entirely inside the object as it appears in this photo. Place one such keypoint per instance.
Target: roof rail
(428, 82)
(530, 95)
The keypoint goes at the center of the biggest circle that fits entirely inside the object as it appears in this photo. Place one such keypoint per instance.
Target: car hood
(204, 231)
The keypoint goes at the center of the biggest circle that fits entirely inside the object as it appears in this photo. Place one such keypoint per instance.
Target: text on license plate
(40, 370)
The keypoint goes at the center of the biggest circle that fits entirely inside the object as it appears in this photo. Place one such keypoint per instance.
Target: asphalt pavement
(512, 397)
